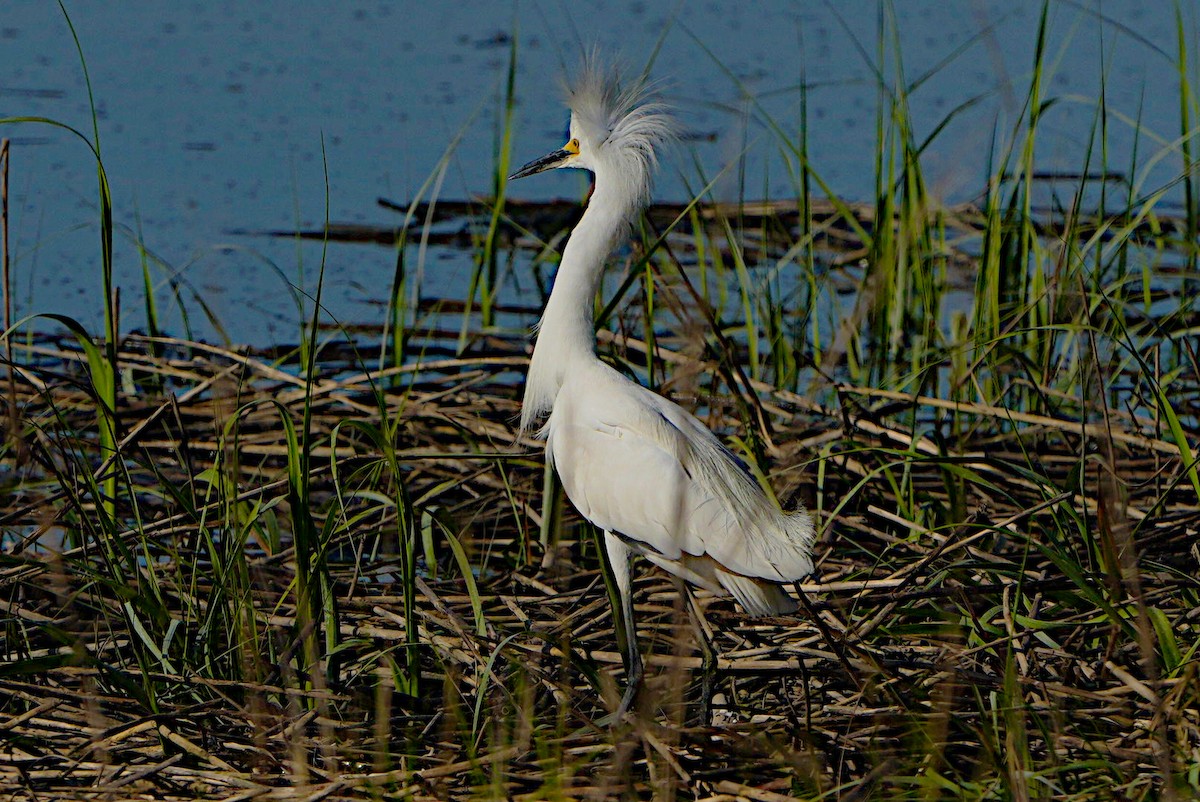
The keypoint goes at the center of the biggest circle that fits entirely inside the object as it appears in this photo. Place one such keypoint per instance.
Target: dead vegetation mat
(997, 596)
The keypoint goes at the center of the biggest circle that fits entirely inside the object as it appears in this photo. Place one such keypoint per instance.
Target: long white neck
(567, 333)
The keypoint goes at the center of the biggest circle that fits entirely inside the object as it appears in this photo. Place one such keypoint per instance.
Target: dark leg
(618, 558)
(708, 665)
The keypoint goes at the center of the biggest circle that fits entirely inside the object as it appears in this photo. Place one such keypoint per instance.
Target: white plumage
(635, 464)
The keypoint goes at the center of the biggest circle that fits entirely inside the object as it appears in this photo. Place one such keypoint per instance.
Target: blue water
(216, 117)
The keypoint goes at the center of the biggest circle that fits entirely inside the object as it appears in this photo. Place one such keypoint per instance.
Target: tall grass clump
(486, 277)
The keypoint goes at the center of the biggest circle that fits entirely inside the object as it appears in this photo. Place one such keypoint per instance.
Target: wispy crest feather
(620, 123)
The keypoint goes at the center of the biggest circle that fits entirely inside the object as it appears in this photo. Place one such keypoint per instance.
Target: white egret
(638, 466)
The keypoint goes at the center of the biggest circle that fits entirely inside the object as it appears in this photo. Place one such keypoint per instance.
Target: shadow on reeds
(322, 571)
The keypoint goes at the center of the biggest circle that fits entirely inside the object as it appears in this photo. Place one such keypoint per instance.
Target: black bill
(547, 162)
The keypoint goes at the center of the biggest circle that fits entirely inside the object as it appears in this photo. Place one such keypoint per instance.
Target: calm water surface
(216, 117)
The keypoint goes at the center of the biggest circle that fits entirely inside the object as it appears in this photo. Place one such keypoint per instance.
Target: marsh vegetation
(330, 570)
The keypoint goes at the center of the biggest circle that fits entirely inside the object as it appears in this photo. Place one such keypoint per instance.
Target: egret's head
(612, 132)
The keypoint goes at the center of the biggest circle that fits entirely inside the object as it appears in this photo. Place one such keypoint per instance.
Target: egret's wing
(765, 542)
(633, 462)
(637, 463)
(624, 481)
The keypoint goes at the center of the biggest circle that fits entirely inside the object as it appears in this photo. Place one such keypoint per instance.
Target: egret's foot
(708, 678)
(632, 687)
(631, 692)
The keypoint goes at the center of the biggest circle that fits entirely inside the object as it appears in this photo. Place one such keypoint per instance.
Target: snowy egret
(638, 466)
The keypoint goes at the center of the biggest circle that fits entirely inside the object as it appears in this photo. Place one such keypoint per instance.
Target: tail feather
(759, 598)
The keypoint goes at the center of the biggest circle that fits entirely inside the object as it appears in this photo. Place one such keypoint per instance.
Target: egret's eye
(572, 147)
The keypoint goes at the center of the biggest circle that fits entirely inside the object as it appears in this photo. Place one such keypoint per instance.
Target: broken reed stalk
(14, 432)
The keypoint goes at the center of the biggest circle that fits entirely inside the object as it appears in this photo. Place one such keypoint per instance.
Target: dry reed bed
(1026, 634)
